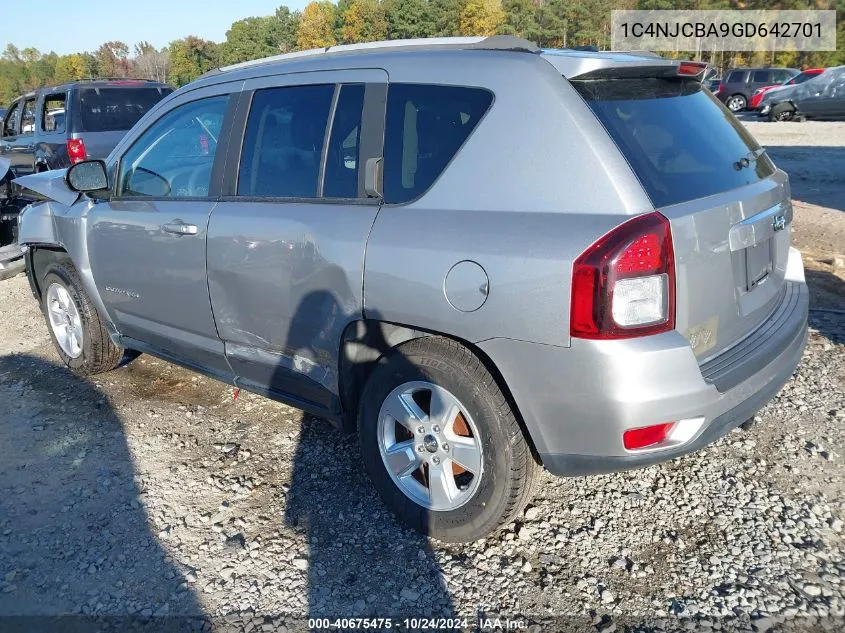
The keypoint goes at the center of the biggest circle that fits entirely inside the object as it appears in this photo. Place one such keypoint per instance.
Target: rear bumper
(577, 402)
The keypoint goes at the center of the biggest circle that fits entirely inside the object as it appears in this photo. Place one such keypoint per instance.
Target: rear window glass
(114, 109)
(425, 127)
(680, 141)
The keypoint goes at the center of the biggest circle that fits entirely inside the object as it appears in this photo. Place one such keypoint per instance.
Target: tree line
(550, 23)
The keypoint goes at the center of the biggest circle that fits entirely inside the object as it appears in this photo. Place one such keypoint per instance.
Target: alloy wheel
(430, 446)
(65, 321)
(736, 103)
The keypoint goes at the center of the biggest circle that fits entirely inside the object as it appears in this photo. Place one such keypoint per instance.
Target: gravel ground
(149, 491)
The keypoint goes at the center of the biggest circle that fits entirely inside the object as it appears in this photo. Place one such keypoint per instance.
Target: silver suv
(483, 257)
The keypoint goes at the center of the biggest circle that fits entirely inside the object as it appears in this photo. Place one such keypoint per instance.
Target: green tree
(408, 19)
(364, 21)
(520, 19)
(482, 17)
(247, 39)
(447, 16)
(283, 28)
(112, 59)
(316, 27)
(70, 68)
(191, 57)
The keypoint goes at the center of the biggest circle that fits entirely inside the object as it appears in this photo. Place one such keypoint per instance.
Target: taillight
(76, 150)
(624, 284)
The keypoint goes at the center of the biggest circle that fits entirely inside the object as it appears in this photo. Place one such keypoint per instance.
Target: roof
(569, 62)
(495, 42)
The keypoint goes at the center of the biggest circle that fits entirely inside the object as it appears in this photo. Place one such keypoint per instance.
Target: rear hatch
(727, 204)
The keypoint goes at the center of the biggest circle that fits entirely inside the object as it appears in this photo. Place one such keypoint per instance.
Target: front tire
(80, 336)
(441, 443)
(782, 112)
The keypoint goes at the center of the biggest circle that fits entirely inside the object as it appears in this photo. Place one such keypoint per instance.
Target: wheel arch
(365, 341)
(38, 258)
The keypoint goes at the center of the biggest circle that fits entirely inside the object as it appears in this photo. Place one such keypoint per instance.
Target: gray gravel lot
(149, 491)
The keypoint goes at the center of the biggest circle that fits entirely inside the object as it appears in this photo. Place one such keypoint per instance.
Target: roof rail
(495, 42)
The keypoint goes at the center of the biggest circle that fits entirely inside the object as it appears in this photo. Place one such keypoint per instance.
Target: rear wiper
(750, 157)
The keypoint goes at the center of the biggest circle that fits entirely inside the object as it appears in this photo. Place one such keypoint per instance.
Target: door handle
(180, 228)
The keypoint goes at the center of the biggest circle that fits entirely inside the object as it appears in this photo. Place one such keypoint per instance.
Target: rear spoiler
(620, 65)
(672, 70)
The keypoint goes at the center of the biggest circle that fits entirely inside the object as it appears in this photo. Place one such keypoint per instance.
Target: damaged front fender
(57, 223)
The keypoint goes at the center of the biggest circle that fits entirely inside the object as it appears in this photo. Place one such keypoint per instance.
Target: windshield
(116, 108)
(680, 141)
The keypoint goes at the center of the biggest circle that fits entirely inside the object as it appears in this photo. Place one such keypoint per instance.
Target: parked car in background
(308, 227)
(714, 85)
(740, 83)
(11, 205)
(757, 97)
(819, 97)
(57, 126)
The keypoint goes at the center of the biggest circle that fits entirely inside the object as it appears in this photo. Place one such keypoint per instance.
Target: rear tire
(497, 482)
(78, 332)
(736, 103)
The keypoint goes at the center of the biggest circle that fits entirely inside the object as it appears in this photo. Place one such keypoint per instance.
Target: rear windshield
(110, 109)
(680, 141)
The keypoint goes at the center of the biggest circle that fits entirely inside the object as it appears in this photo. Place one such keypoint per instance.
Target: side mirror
(89, 175)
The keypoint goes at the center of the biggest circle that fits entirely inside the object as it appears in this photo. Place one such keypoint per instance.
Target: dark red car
(757, 96)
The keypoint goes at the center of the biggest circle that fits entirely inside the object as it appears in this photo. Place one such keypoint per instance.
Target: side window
(53, 113)
(425, 126)
(10, 123)
(174, 156)
(341, 179)
(283, 144)
(737, 76)
(782, 75)
(28, 118)
(761, 77)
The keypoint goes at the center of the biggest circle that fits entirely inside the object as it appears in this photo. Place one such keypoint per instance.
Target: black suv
(740, 83)
(57, 126)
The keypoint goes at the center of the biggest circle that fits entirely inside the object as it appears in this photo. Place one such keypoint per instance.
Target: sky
(82, 25)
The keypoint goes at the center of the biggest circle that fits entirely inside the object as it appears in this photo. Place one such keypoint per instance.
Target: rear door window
(115, 108)
(738, 77)
(761, 77)
(341, 176)
(679, 140)
(283, 144)
(425, 127)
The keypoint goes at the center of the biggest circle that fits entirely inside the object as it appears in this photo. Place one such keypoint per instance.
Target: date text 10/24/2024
(417, 624)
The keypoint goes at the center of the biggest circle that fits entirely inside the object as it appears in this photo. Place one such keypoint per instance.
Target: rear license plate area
(759, 263)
